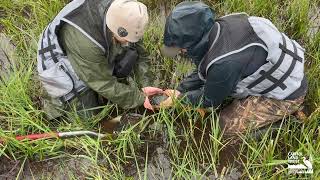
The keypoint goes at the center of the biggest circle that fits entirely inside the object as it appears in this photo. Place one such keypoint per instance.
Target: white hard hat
(127, 19)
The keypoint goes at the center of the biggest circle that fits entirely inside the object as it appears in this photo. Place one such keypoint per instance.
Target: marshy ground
(170, 144)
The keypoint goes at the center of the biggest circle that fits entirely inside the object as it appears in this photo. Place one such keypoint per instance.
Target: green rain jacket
(93, 68)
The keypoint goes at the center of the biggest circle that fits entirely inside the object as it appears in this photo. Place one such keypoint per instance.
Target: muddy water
(156, 144)
(159, 167)
(158, 163)
(155, 147)
(228, 165)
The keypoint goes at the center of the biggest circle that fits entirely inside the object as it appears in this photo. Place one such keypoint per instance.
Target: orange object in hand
(173, 94)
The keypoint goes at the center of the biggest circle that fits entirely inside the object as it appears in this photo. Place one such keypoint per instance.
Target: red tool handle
(38, 136)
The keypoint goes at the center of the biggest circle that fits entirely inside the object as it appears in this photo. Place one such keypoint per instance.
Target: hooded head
(188, 27)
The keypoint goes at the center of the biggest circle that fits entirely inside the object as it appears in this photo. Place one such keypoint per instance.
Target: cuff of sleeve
(141, 100)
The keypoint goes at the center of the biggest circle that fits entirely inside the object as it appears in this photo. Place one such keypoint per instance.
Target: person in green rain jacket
(92, 50)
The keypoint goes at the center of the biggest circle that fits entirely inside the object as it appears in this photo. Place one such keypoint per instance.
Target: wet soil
(60, 168)
(229, 164)
(156, 149)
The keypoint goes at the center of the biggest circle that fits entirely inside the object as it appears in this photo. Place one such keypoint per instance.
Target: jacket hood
(188, 27)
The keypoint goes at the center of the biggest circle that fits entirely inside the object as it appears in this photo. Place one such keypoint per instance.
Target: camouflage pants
(255, 112)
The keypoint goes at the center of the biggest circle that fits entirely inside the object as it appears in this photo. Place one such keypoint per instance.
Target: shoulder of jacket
(74, 36)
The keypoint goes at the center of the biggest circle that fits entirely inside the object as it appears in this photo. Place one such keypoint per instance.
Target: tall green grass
(193, 145)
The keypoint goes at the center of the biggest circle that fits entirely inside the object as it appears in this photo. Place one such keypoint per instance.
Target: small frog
(156, 99)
